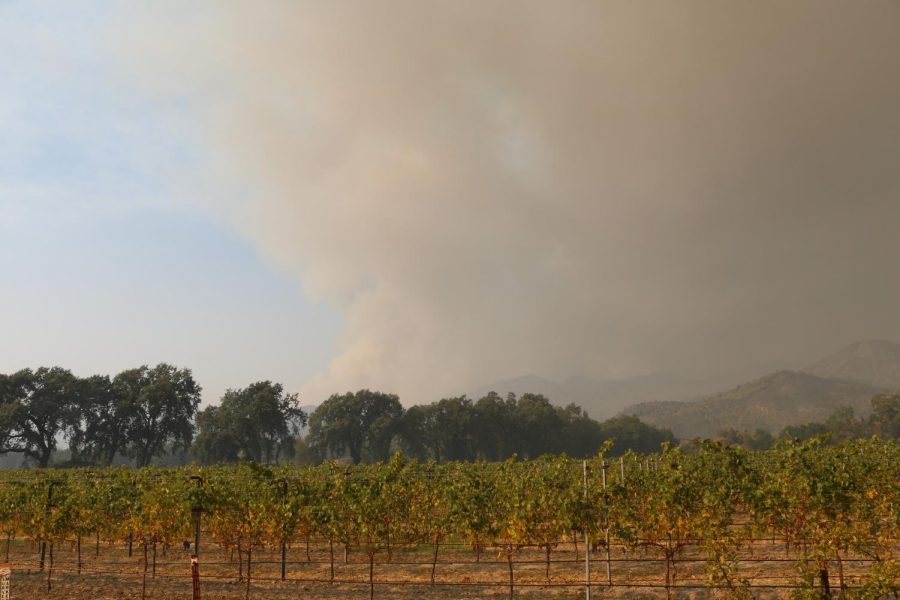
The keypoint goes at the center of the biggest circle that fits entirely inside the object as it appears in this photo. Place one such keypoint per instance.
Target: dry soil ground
(115, 575)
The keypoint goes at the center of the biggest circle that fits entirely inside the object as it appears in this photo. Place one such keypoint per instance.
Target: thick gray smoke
(604, 188)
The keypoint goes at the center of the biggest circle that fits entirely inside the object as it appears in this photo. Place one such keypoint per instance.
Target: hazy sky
(423, 197)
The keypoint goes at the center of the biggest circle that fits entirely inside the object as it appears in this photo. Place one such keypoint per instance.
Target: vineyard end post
(587, 539)
(5, 574)
(195, 577)
(606, 532)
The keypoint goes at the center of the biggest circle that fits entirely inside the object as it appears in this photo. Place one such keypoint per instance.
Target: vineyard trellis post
(606, 531)
(284, 491)
(197, 510)
(587, 539)
(195, 577)
(46, 518)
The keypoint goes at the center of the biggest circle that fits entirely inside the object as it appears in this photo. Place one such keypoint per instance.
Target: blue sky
(104, 266)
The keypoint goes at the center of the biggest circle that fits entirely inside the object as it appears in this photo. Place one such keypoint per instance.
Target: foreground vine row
(825, 502)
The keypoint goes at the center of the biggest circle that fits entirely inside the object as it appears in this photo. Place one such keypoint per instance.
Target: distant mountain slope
(601, 399)
(875, 362)
(771, 403)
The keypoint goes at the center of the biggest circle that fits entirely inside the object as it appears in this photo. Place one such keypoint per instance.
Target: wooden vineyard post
(606, 532)
(50, 569)
(144, 580)
(5, 573)
(47, 518)
(197, 510)
(587, 539)
(195, 576)
(284, 491)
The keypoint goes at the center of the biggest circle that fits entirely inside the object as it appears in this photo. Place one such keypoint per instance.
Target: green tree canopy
(885, 418)
(759, 439)
(104, 422)
(160, 404)
(494, 427)
(630, 433)
(442, 430)
(843, 425)
(362, 424)
(255, 423)
(497, 428)
(36, 407)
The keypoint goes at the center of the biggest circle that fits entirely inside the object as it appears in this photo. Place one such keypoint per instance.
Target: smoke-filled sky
(444, 194)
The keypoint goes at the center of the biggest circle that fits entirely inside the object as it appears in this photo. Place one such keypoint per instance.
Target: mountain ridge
(605, 398)
(770, 403)
(600, 398)
(875, 362)
(745, 399)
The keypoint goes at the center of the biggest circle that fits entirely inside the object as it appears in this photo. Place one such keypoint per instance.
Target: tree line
(842, 425)
(367, 426)
(148, 412)
(140, 413)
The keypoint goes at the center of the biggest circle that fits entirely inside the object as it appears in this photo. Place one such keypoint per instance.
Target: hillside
(601, 398)
(875, 362)
(771, 403)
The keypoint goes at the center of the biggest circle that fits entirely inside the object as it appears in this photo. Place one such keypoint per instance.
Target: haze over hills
(605, 398)
(600, 398)
(875, 362)
(770, 403)
(766, 398)
(849, 377)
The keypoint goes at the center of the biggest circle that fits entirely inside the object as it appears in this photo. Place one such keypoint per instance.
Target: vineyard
(803, 520)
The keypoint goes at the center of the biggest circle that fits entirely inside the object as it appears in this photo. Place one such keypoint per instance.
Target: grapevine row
(824, 501)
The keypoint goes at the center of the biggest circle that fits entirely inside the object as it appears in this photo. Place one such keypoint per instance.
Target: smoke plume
(487, 189)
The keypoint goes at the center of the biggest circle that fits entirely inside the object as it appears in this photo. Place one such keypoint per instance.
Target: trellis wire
(135, 573)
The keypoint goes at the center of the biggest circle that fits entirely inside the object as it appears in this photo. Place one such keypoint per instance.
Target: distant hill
(771, 403)
(601, 398)
(875, 362)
